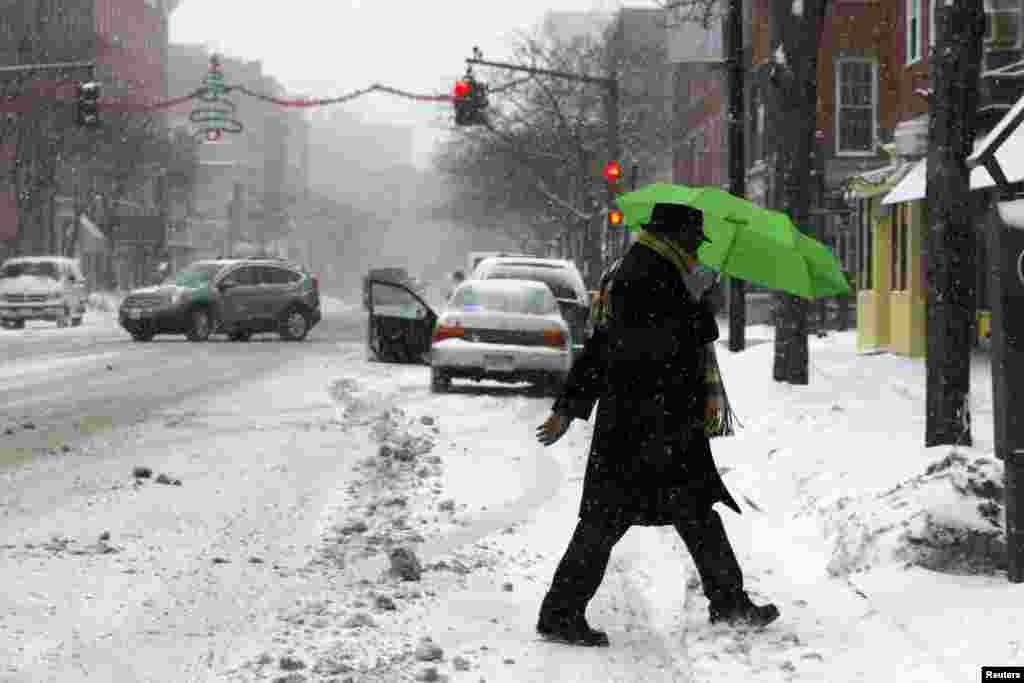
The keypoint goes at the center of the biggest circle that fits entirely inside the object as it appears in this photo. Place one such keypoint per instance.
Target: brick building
(127, 40)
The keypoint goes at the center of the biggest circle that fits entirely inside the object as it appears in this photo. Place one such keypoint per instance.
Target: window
(698, 157)
(1002, 23)
(245, 277)
(900, 244)
(866, 246)
(856, 106)
(913, 31)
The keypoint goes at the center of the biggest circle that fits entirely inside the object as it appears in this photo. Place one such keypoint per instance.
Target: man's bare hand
(553, 428)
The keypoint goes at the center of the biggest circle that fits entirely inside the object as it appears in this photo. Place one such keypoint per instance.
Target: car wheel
(77, 322)
(239, 336)
(142, 336)
(200, 325)
(65, 318)
(440, 382)
(294, 324)
(17, 324)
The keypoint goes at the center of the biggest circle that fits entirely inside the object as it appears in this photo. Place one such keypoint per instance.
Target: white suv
(41, 288)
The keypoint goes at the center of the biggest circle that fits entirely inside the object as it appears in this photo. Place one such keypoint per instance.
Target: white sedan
(504, 330)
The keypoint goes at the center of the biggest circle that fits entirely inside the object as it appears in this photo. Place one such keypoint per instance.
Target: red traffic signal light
(613, 172)
(463, 89)
(615, 217)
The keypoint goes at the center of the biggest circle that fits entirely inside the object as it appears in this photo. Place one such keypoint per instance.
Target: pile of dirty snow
(370, 555)
(949, 518)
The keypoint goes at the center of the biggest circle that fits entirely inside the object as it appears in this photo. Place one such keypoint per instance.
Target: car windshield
(506, 297)
(46, 269)
(195, 275)
(560, 280)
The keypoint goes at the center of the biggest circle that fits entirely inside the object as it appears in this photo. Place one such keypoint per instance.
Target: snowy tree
(795, 29)
(950, 243)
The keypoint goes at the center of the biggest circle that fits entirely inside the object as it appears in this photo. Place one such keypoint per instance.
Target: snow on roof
(528, 262)
(509, 285)
(1010, 157)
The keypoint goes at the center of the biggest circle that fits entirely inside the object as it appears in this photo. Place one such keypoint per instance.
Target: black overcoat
(650, 462)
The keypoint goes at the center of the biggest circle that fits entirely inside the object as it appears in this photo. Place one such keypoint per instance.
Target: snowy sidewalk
(842, 506)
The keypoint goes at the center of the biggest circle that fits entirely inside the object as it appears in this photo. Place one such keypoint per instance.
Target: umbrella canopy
(747, 242)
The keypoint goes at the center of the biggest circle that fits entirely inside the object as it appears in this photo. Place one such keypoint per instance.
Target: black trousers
(582, 568)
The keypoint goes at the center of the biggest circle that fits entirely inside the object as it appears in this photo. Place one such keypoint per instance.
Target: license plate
(496, 363)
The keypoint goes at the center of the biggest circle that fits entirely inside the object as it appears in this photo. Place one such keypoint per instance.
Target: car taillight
(554, 337)
(316, 283)
(442, 332)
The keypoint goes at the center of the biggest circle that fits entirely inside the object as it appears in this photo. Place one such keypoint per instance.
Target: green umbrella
(747, 242)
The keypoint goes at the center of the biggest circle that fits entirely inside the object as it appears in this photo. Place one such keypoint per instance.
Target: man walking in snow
(650, 366)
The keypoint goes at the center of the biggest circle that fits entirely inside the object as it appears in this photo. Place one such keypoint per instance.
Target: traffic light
(613, 174)
(615, 217)
(88, 114)
(470, 102)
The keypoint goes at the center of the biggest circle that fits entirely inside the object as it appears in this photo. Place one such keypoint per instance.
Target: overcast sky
(329, 47)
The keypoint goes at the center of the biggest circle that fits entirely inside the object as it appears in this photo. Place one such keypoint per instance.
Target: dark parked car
(236, 297)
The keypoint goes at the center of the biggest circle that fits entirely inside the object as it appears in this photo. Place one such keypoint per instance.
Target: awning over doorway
(877, 181)
(1011, 157)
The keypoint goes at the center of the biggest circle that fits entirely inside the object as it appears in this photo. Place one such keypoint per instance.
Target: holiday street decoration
(211, 117)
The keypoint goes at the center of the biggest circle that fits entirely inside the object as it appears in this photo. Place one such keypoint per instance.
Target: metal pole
(614, 143)
(634, 177)
(737, 162)
(1006, 286)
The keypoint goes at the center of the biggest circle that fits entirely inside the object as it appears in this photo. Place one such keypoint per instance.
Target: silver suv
(236, 297)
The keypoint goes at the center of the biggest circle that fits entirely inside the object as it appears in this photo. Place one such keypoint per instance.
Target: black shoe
(571, 632)
(740, 611)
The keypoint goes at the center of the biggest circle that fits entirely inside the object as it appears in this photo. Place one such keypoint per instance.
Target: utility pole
(634, 177)
(611, 103)
(236, 214)
(737, 160)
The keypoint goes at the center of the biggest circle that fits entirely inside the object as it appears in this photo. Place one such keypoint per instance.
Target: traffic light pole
(611, 103)
(737, 162)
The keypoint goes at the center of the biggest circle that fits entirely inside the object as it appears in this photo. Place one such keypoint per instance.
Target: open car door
(401, 324)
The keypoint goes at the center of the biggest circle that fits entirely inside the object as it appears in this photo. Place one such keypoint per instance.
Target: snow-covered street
(317, 517)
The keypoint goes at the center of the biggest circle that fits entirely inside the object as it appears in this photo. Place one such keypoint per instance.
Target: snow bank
(948, 518)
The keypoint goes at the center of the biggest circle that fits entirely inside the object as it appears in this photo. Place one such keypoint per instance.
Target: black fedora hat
(678, 218)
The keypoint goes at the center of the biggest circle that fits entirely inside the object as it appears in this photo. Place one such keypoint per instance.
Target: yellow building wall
(907, 312)
(873, 321)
